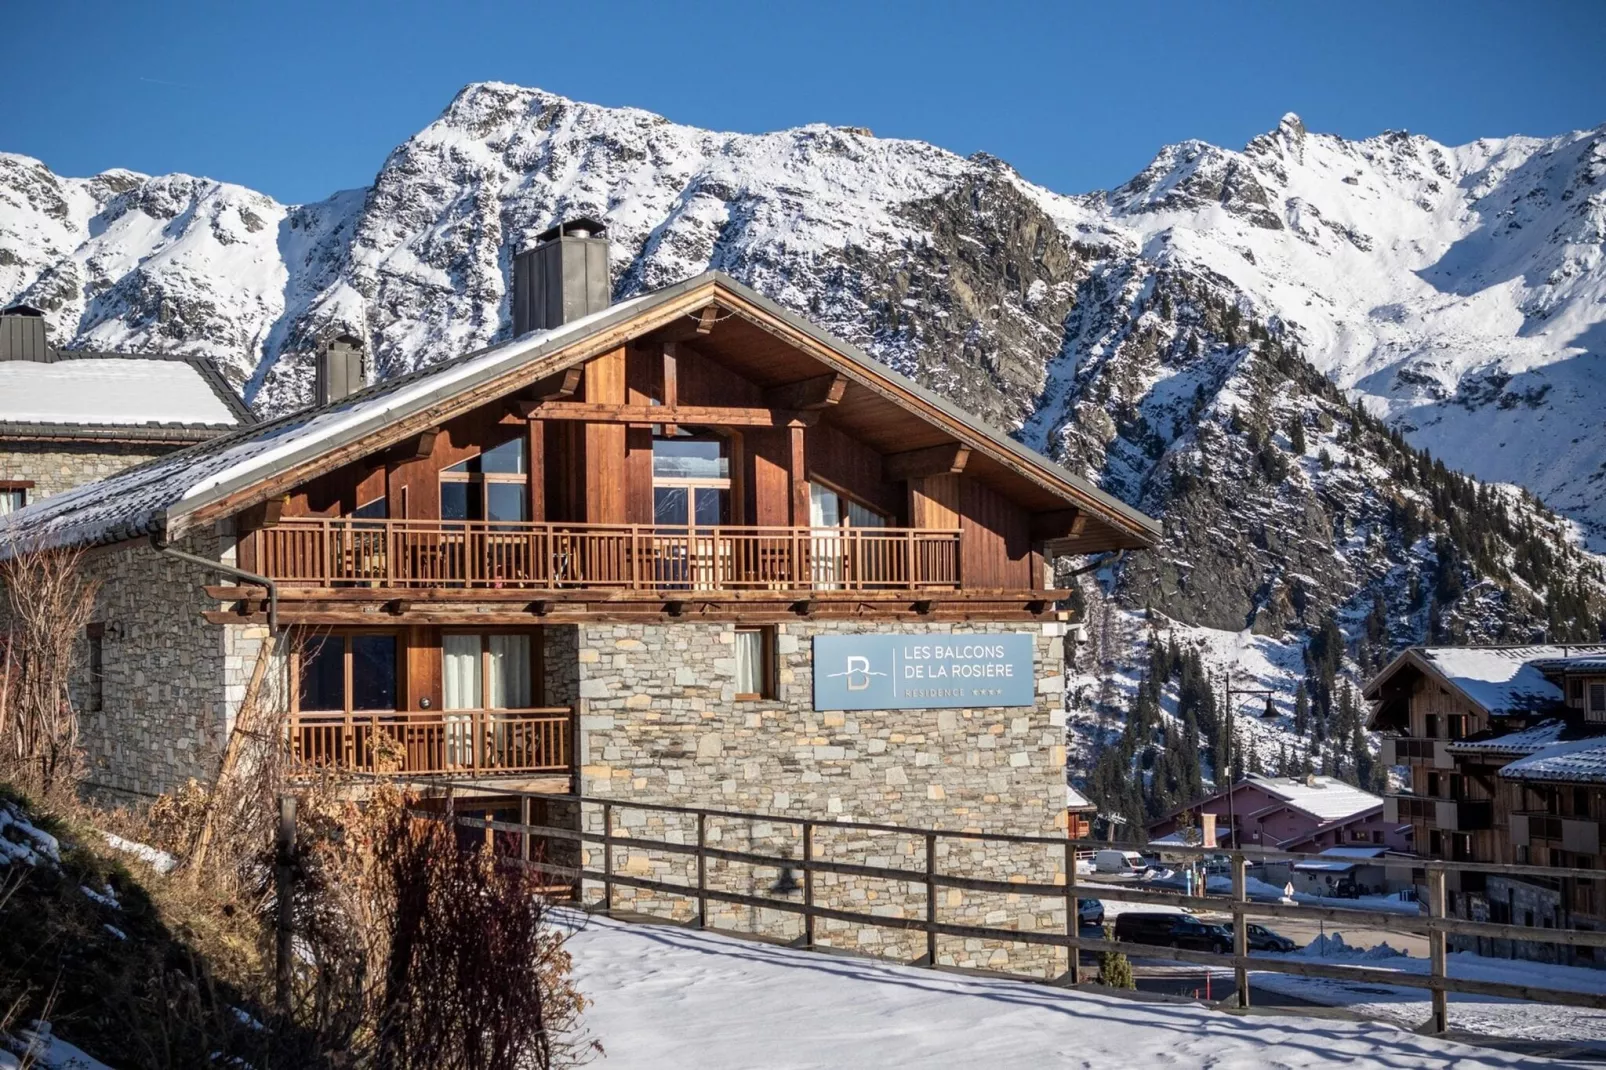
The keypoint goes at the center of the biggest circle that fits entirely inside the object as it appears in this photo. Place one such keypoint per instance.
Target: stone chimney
(340, 370)
(23, 335)
(563, 277)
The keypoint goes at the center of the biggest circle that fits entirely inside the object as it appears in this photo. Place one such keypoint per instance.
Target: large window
(353, 673)
(490, 486)
(691, 480)
(830, 508)
(482, 671)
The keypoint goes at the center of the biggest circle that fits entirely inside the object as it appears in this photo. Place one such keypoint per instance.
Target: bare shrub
(422, 954)
(47, 605)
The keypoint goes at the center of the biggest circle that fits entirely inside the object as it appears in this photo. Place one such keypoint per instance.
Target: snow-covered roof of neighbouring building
(1075, 800)
(85, 394)
(160, 496)
(1574, 664)
(1501, 680)
(1577, 760)
(1323, 797)
(1527, 741)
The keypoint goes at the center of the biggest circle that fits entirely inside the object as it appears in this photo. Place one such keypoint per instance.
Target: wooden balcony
(551, 556)
(450, 742)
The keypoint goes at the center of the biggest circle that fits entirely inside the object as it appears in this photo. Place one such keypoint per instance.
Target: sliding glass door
(482, 672)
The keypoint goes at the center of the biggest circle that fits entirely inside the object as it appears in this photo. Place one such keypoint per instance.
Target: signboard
(922, 672)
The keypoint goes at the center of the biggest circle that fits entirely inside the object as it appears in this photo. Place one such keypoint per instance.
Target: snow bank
(666, 997)
(160, 861)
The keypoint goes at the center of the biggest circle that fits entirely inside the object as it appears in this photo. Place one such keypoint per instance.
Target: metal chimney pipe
(340, 370)
(563, 277)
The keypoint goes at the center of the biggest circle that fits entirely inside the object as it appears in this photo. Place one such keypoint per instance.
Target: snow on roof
(112, 390)
(1575, 760)
(1502, 680)
(1576, 663)
(1075, 800)
(1352, 852)
(1323, 797)
(1526, 741)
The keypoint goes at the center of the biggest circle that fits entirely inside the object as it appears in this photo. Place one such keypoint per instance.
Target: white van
(1112, 861)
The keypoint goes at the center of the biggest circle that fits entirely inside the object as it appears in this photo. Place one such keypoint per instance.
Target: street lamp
(1232, 735)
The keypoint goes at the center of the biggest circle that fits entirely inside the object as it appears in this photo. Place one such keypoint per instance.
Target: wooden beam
(557, 387)
(701, 415)
(707, 318)
(797, 470)
(535, 451)
(262, 515)
(1058, 524)
(820, 392)
(418, 447)
(947, 459)
(671, 391)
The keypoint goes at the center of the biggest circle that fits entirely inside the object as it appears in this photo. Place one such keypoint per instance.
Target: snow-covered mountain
(1246, 343)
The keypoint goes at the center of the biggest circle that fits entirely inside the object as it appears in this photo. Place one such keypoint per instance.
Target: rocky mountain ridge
(1253, 345)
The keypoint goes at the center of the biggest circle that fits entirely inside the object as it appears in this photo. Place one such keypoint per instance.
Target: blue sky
(299, 99)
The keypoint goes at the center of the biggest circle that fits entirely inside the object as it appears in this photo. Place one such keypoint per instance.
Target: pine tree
(1115, 971)
(1296, 434)
(1301, 710)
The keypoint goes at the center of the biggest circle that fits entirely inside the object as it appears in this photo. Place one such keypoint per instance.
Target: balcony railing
(434, 742)
(434, 553)
(1569, 833)
(1464, 815)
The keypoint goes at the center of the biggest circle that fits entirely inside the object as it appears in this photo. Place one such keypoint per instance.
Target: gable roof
(1323, 797)
(194, 486)
(84, 394)
(1576, 761)
(1502, 680)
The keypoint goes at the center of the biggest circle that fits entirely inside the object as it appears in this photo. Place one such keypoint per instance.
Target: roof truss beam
(947, 459)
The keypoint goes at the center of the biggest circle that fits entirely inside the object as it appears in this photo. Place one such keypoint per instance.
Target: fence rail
(1435, 925)
(551, 556)
(466, 742)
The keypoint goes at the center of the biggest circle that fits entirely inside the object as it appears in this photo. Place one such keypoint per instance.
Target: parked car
(1264, 939)
(1172, 930)
(1090, 911)
(1114, 861)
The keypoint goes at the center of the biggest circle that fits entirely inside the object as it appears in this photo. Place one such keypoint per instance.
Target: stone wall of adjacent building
(53, 467)
(659, 722)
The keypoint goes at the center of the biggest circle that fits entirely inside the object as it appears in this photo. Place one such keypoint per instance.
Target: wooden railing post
(524, 832)
(909, 553)
(808, 885)
(702, 870)
(1240, 930)
(1073, 916)
(931, 899)
(607, 857)
(1436, 910)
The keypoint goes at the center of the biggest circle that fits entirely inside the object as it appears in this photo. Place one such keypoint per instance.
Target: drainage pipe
(228, 570)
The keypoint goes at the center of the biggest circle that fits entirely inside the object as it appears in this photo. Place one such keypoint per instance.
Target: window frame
(20, 488)
(769, 677)
(345, 635)
(693, 485)
(887, 519)
(95, 633)
(484, 479)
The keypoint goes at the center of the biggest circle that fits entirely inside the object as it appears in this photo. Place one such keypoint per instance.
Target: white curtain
(462, 671)
(825, 507)
(860, 517)
(749, 662)
(510, 672)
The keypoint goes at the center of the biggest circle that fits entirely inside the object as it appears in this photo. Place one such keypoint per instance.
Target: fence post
(702, 870)
(1240, 931)
(285, 895)
(1441, 1000)
(524, 833)
(808, 885)
(607, 857)
(1073, 915)
(931, 899)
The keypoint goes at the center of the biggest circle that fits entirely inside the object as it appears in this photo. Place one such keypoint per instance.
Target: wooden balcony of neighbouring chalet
(1534, 829)
(459, 743)
(1405, 750)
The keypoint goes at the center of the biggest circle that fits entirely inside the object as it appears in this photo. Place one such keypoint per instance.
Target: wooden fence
(1435, 925)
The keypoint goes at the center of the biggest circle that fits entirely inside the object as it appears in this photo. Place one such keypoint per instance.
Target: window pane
(1597, 698)
(461, 501)
(373, 672)
(669, 505)
(825, 508)
(749, 662)
(374, 510)
(12, 500)
(470, 465)
(508, 457)
(860, 517)
(510, 672)
(504, 501)
(689, 458)
(323, 674)
(461, 654)
(711, 505)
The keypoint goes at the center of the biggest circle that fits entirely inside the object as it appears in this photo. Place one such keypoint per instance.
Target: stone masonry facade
(53, 467)
(659, 722)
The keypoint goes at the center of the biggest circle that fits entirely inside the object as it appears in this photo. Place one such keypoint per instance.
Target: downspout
(158, 541)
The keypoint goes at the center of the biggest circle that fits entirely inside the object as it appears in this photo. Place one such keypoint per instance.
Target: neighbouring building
(1306, 814)
(1505, 751)
(1079, 815)
(686, 549)
(71, 416)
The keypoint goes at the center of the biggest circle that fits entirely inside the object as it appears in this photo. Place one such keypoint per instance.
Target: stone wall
(53, 467)
(659, 723)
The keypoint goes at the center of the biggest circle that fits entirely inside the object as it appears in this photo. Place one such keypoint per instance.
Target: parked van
(1112, 861)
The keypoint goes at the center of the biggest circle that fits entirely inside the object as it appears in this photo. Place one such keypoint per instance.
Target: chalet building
(1505, 751)
(1079, 815)
(687, 548)
(69, 417)
(1306, 814)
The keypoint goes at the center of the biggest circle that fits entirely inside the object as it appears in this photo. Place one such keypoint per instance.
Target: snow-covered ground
(665, 997)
